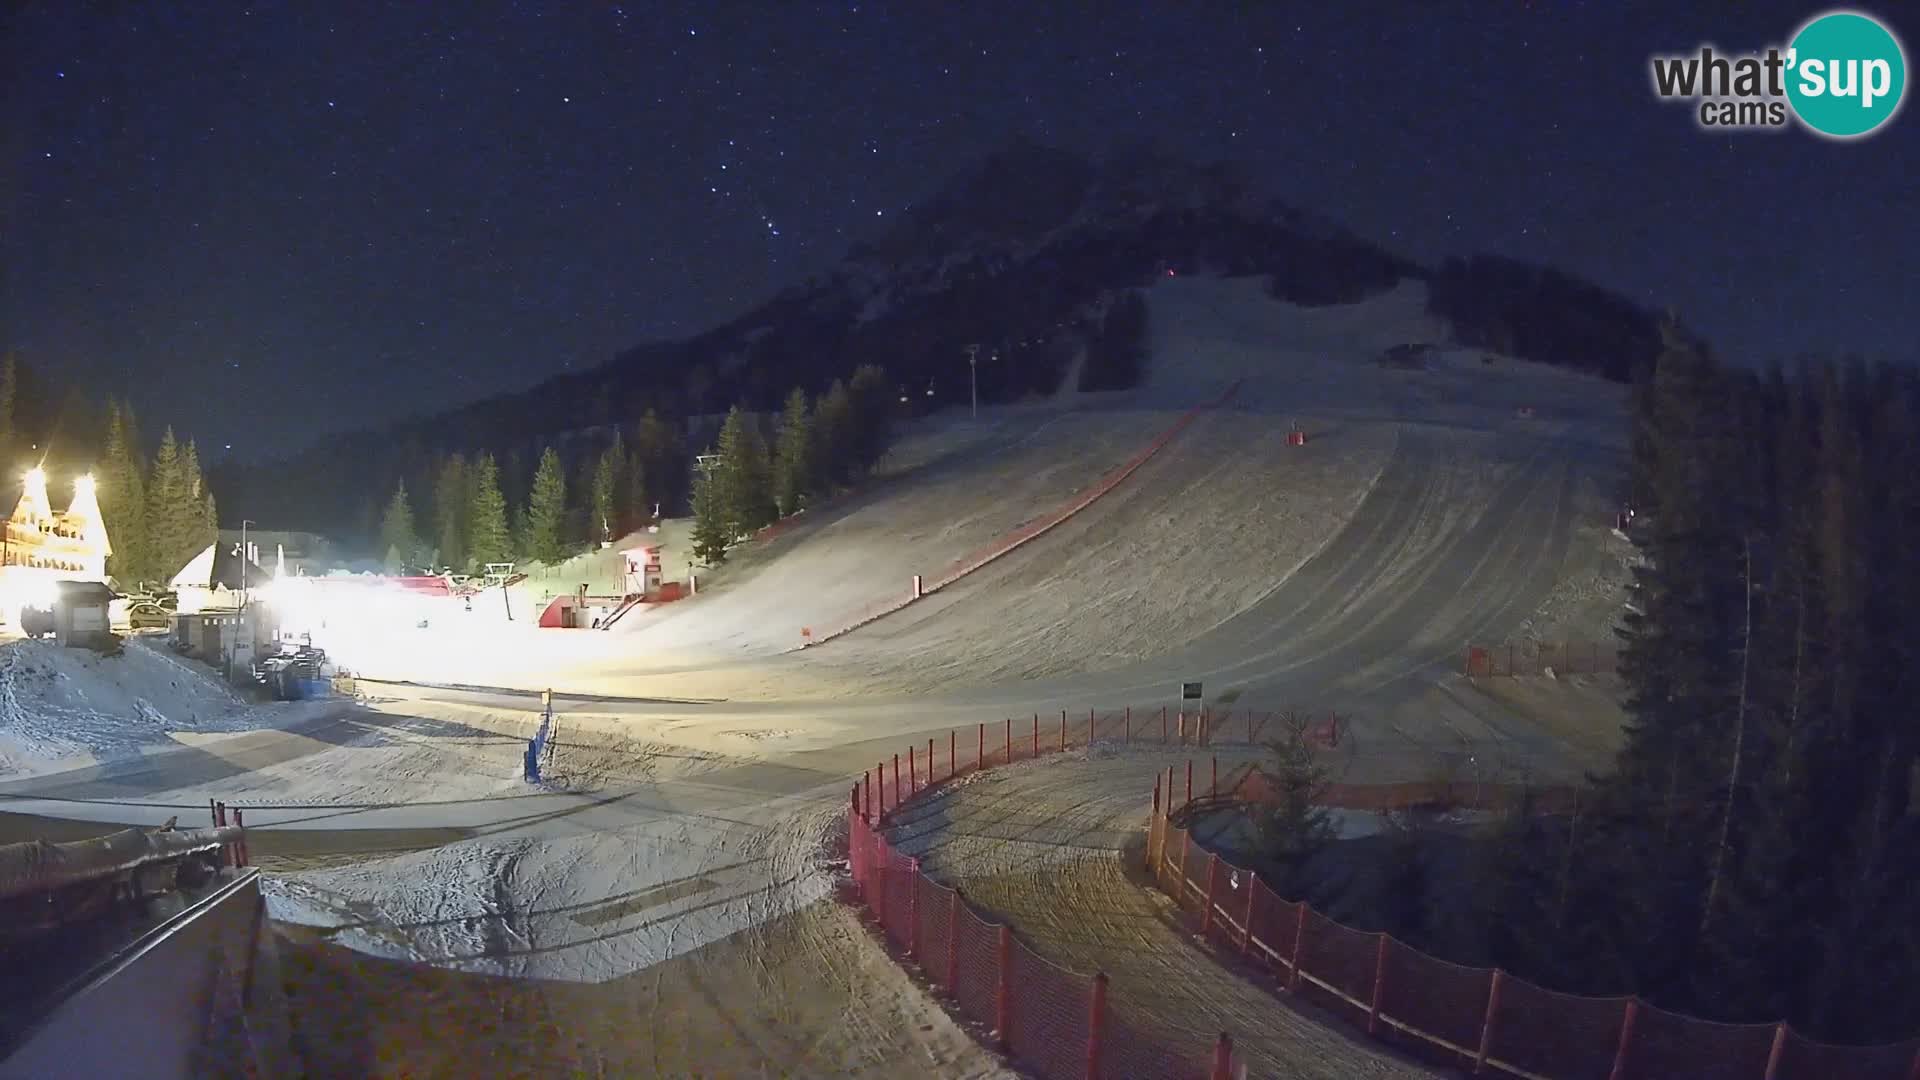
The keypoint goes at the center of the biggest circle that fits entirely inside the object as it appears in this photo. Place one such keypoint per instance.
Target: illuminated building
(40, 545)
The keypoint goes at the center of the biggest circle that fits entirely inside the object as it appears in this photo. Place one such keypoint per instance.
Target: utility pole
(973, 377)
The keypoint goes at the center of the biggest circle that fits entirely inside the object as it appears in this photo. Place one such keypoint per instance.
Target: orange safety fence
(1002, 545)
(1479, 1019)
(1537, 657)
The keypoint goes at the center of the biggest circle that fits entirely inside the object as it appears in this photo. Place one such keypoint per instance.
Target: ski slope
(702, 760)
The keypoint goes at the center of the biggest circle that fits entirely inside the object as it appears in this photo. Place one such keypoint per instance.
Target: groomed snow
(63, 708)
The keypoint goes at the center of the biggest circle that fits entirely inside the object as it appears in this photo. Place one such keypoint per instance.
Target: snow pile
(61, 708)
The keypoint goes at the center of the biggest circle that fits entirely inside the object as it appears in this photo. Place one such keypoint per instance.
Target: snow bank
(61, 708)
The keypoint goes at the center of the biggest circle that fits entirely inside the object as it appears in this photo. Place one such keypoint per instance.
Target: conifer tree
(546, 514)
(833, 439)
(452, 502)
(122, 494)
(793, 469)
(712, 531)
(488, 538)
(172, 512)
(609, 520)
(397, 536)
(744, 476)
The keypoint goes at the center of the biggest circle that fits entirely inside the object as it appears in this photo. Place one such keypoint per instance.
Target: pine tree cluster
(1752, 855)
(158, 515)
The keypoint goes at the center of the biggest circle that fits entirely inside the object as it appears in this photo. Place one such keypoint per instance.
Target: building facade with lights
(40, 545)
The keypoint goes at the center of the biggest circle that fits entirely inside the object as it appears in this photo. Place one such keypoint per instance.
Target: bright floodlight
(83, 485)
(36, 476)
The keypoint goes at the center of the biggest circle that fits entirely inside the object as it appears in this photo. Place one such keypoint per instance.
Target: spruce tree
(662, 463)
(743, 477)
(833, 439)
(609, 519)
(546, 515)
(171, 511)
(873, 403)
(397, 536)
(452, 501)
(488, 539)
(712, 531)
(122, 493)
(793, 469)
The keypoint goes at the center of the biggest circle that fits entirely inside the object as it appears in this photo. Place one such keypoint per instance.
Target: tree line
(479, 511)
(1751, 857)
(159, 510)
(748, 483)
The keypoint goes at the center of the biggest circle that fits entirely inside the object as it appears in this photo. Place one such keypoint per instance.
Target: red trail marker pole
(1126, 733)
(896, 781)
(1009, 740)
(953, 753)
(913, 771)
(1034, 747)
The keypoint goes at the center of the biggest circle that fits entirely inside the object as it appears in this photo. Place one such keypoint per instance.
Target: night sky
(269, 222)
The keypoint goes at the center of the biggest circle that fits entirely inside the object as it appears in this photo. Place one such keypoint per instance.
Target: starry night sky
(268, 222)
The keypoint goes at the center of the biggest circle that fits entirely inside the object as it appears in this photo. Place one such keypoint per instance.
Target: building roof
(80, 592)
(220, 565)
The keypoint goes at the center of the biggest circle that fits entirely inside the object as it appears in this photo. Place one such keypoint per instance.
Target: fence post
(1189, 801)
(953, 943)
(1186, 849)
(1033, 748)
(1626, 1039)
(240, 845)
(1091, 724)
(1096, 1023)
(929, 762)
(1009, 740)
(913, 771)
(1213, 785)
(980, 753)
(1063, 729)
(1163, 724)
(1486, 1023)
(879, 869)
(913, 908)
(1779, 1047)
(1126, 731)
(1379, 984)
(1223, 1057)
(896, 781)
(854, 806)
(213, 813)
(1003, 996)
(1213, 881)
(1299, 939)
(953, 754)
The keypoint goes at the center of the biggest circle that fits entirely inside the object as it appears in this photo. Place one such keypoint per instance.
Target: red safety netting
(1050, 1011)
(900, 886)
(1446, 1001)
(1342, 958)
(1127, 1050)
(934, 906)
(977, 948)
(1669, 1044)
(1554, 1034)
(1804, 1059)
(1451, 1008)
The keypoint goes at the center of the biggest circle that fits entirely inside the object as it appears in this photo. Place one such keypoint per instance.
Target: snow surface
(1425, 509)
(61, 708)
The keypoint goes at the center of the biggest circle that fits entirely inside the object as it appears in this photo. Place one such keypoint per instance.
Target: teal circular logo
(1846, 74)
